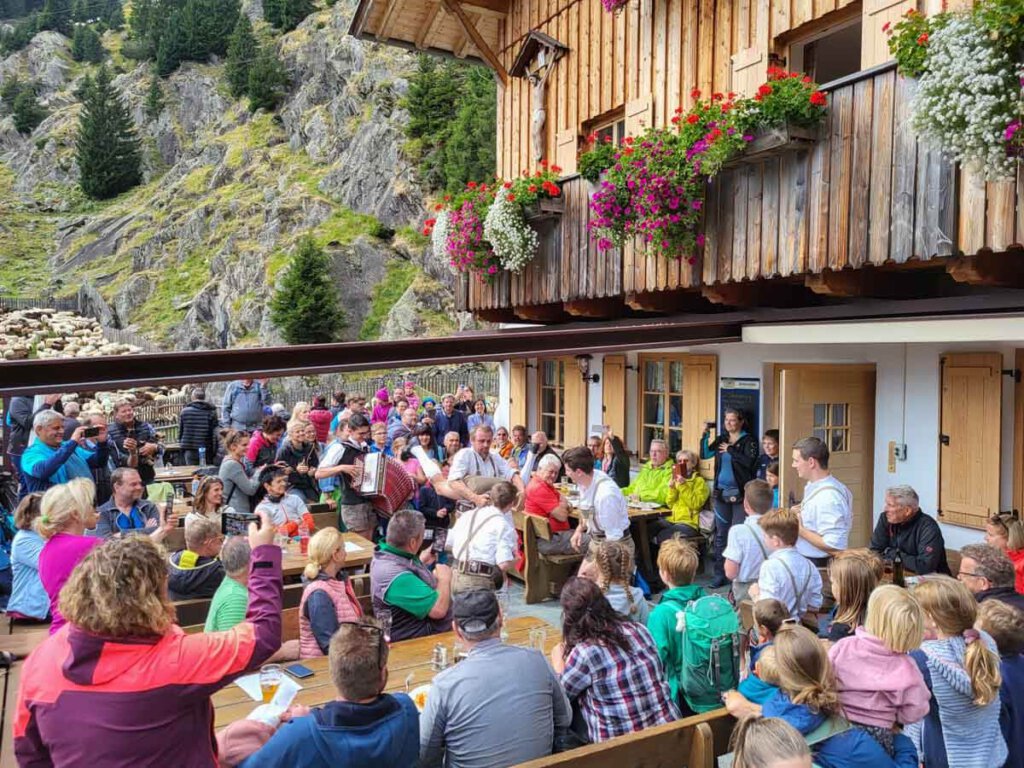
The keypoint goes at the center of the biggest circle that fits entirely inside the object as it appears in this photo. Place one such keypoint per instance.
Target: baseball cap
(476, 610)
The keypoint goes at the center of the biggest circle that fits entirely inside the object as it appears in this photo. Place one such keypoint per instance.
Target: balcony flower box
(776, 141)
(545, 208)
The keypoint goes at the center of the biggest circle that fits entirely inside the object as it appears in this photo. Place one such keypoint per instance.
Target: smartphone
(440, 539)
(319, 507)
(298, 671)
(237, 523)
(91, 432)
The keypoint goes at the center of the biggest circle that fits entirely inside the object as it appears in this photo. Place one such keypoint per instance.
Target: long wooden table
(294, 561)
(174, 475)
(407, 657)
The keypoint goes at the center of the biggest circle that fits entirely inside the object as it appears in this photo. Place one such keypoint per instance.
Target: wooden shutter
(750, 65)
(613, 394)
(575, 406)
(700, 401)
(517, 394)
(639, 115)
(565, 151)
(874, 48)
(969, 440)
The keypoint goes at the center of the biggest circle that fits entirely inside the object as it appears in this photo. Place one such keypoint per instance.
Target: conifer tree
(86, 45)
(285, 15)
(172, 46)
(27, 112)
(267, 80)
(242, 50)
(56, 15)
(306, 308)
(113, 15)
(221, 18)
(107, 148)
(154, 99)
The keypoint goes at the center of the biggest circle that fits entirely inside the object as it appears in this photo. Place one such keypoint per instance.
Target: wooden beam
(453, 7)
(390, 14)
(669, 302)
(1000, 270)
(433, 21)
(881, 283)
(363, 11)
(761, 293)
(464, 46)
(608, 308)
(541, 313)
(497, 9)
(496, 315)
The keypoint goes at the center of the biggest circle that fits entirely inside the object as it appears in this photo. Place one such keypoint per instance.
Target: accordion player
(384, 482)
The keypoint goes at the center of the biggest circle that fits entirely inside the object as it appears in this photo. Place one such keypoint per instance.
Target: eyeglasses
(961, 574)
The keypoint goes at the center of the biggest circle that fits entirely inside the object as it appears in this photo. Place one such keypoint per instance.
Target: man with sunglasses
(362, 726)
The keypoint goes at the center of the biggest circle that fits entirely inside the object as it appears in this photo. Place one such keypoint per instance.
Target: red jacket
(90, 700)
(1017, 557)
(321, 418)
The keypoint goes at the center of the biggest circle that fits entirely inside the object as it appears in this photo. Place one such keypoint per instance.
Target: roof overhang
(43, 376)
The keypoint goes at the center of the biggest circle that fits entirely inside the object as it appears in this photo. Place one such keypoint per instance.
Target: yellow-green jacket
(687, 499)
(652, 483)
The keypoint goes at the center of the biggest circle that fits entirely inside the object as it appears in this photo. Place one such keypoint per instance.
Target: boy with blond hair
(677, 564)
(786, 575)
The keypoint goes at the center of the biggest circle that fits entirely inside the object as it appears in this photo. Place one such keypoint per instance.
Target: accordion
(384, 482)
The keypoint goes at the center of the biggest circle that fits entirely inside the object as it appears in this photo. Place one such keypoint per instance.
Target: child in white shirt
(787, 576)
(745, 549)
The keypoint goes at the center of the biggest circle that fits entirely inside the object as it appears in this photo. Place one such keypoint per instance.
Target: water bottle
(195, 487)
(202, 457)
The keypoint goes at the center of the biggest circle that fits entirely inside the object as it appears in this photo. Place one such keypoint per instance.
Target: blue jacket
(28, 596)
(43, 466)
(444, 424)
(850, 749)
(1011, 714)
(242, 408)
(756, 690)
(384, 733)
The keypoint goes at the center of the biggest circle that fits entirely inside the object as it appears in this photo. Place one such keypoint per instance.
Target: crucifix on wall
(536, 61)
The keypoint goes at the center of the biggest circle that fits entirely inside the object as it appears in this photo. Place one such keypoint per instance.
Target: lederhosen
(477, 482)
(598, 534)
(474, 574)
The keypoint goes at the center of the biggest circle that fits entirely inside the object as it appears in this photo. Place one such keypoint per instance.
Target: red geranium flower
(532, 188)
(438, 207)
(675, 120)
(886, 26)
(764, 90)
(818, 99)
(430, 222)
(556, 169)
(692, 119)
(923, 38)
(507, 185)
(628, 139)
(510, 197)
(695, 93)
(471, 184)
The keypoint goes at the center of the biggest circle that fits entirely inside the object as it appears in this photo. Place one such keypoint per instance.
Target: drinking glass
(270, 681)
(503, 608)
(384, 617)
(538, 638)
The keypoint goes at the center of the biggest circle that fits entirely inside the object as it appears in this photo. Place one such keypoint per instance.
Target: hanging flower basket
(544, 208)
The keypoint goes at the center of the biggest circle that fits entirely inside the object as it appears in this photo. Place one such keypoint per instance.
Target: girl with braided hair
(610, 567)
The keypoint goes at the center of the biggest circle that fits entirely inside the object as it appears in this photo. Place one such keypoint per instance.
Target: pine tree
(469, 152)
(27, 111)
(242, 50)
(267, 80)
(87, 45)
(56, 15)
(306, 307)
(171, 49)
(221, 18)
(9, 92)
(113, 15)
(108, 150)
(285, 15)
(154, 99)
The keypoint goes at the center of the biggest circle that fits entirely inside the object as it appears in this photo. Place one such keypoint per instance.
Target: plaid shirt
(619, 691)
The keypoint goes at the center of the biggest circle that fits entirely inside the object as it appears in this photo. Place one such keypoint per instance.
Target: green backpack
(710, 659)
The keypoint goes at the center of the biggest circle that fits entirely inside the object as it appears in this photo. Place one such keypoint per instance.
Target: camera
(237, 523)
(91, 432)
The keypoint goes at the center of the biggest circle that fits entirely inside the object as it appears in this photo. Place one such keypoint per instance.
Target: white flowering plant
(514, 241)
(437, 229)
(967, 95)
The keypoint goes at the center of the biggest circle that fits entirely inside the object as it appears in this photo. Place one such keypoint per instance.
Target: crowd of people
(839, 667)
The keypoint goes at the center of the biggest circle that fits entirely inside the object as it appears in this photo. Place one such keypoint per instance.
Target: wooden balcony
(825, 221)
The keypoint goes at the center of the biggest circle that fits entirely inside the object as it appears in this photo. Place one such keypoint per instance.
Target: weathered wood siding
(657, 49)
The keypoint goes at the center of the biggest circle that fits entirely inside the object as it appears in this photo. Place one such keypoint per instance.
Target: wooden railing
(868, 192)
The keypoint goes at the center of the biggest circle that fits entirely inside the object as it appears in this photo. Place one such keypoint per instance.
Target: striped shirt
(619, 691)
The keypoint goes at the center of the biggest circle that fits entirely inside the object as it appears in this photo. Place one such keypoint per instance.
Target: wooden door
(837, 404)
(517, 394)
(575, 406)
(970, 435)
(613, 394)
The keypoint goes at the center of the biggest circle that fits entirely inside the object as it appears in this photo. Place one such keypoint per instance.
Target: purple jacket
(142, 701)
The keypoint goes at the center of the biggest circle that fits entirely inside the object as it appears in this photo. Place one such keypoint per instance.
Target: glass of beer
(270, 681)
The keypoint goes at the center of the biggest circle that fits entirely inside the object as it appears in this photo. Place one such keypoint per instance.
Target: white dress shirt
(611, 511)
(494, 541)
(827, 510)
(792, 579)
(469, 463)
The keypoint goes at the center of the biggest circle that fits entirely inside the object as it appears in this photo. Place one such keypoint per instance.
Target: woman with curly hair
(610, 665)
(135, 684)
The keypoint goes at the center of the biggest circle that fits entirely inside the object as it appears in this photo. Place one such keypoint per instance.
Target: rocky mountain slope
(191, 257)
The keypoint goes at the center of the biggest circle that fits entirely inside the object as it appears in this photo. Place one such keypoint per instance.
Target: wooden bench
(325, 520)
(693, 741)
(543, 574)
